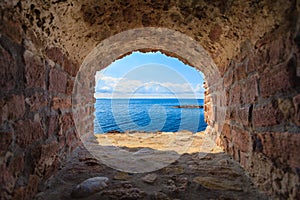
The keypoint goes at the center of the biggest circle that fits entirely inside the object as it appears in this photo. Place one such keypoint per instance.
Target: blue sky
(148, 75)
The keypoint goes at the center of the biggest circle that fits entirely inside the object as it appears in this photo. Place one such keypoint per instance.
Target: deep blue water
(148, 115)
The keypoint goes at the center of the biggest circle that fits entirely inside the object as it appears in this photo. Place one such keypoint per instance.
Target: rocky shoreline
(188, 106)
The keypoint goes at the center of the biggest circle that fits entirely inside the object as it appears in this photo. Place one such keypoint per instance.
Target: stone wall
(262, 132)
(37, 129)
(254, 44)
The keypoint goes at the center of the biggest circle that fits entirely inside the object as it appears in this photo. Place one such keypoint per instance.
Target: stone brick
(70, 67)
(244, 160)
(235, 95)
(7, 181)
(72, 140)
(250, 90)
(56, 55)
(37, 101)
(279, 50)
(242, 115)
(16, 164)
(32, 186)
(34, 70)
(6, 139)
(215, 33)
(58, 81)
(27, 132)
(280, 79)
(8, 70)
(240, 70)
(12, 107)
(53, 126)
(45, 156)
(241, 139)
(66, 122)
(228, 79)
(226, 131)
(13, 30)
(286, 107)
(253, 64)
(70, 85)
(281, 147)
(266, 115)
(296, 101)
(61, 103)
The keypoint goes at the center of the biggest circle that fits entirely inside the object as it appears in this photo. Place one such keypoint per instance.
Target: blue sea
(148, 115)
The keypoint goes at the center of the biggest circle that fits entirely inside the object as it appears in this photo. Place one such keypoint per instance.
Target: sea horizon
(148, 114)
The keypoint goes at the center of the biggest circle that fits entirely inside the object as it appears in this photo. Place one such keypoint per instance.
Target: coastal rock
(89, 187)
(188, 106)
(149, 178)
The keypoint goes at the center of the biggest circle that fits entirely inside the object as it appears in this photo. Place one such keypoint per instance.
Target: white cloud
(108, 86)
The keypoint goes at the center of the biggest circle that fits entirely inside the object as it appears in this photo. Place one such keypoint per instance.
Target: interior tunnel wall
(37, 128)
(255, 45)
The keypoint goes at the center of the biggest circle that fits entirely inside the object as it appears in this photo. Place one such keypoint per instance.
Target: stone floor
(192, 176)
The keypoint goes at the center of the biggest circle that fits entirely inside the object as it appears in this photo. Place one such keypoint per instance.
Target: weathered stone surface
(27, 132)
(266, 115)
(37, 101)
(58, 81)
(89, 187)
(56, 55)
(28, 191)
(61, 103)
(66, 122)
(150, 178)
(241, 139)
(250, 90)
(5, 140)
(242, 115)
(272, 145)
(8, 70)
(217, 184)
(12, 107)
(125, 193)
(122, 176)
(34, 70)
(215, 33)
(46, 157)
(296, 101)
(280, 79)
(235, 95)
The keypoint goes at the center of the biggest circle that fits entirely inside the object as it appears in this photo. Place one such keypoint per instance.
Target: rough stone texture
(35, 70)
(254, 46)
(223, 177)
(8, 70)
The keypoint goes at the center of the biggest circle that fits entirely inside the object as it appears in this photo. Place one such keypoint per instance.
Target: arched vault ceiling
(78, 26)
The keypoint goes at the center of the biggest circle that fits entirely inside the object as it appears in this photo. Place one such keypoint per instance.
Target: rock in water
(89, 187)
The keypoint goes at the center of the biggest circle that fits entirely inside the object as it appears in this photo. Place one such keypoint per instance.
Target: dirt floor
(188, 174)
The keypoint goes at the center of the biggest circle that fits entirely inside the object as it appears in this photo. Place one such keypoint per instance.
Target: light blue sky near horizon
(149, 75)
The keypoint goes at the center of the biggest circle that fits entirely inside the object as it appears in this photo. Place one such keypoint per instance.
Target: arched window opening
(149, 92)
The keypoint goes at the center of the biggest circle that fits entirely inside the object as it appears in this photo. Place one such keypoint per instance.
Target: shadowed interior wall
(254, 44)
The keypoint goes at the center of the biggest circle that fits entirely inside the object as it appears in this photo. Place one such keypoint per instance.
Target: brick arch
(145, 39)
